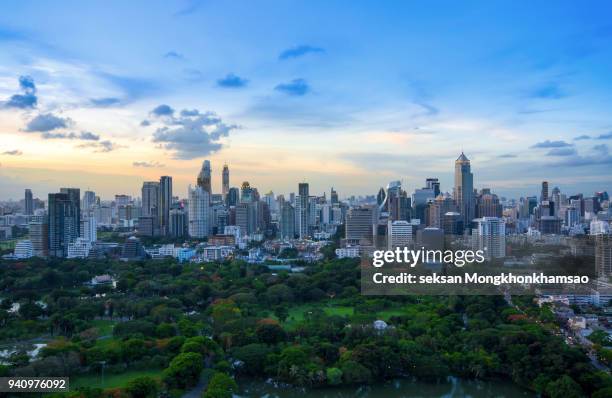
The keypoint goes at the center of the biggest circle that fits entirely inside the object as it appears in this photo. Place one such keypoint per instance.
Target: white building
(399, 234)
(23, 249)
(599, 227)
(199, 212)
(233, 230)
(347, 252)
(89, 229)
(490, 236)
(79, 248)
(214, 253)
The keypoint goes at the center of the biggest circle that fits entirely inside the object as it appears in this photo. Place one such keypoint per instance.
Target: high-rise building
(178, 223)
(464, 189)
(150, 198)
(199, 212)
(437, 208)
(247, 193)
(359, 227)
(75, 196)
(28, 202)
(433, 184)
(165, 203)
(89, 229)
(603, 255)
(225, 181)
(24, 249)
(399, 234)
(303, 210)
(488, 205)
(63, 220)
(246, 217)
(39, 236)
(544, 194)
(233, 197)
(203, 180)
(333, 197)
(89, 200)
(490, 237)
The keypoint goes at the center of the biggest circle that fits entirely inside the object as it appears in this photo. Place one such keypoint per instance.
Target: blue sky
(343, 94)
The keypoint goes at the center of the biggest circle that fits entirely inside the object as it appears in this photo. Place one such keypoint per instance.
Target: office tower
(549, 225)
(333, 197)
(28, 203)
(437, 208)
(287, 221)
(74, 194)
(557, 199)
(133, 249)
(150, 198)
(39, 236)
(572, 216)
(178, 223)
(544, 194)
(490, 237)
(359, 227)
(89, 200)
(603, 255)
(225, 182)
(246, 217)
(147, 226)
(203, 180)
(165, 202)
(380, 199)
(420, 202)
(464, 189)
(246, 193)
(599, 227)
(488, 205)
(303, 210)
(233, 197)
(199, 212)
(433, 184)
(63, 220)
(89, 229)
(399, 234)
(452, 223)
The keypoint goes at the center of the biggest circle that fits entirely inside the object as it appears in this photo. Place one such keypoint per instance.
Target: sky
(104, 95)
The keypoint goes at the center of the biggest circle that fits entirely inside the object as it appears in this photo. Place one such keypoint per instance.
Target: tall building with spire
(302, 210)
(464, 189)
(203, 180)
(225, 183)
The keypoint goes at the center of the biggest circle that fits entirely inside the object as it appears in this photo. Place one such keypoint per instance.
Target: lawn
(105, 327)
(297, 314)
(111, 380)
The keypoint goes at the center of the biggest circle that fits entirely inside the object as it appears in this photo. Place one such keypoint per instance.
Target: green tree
(142, 387)
(184, 370)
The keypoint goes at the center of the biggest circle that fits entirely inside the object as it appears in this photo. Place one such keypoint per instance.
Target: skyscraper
(233, 197)
(287, 221)
(434, 184)
(203, 180)
(544, 194)
(490, 237)
(74, 194)
(89, 200)
(63, 223)
(199, 212)
(225, 182)
(464, 189)
(303, 210)
(333, 196)
(28, 202)
(165, 202)
(150, 198)
(359, 228)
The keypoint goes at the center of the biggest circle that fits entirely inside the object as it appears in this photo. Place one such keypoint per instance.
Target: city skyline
(356, 104)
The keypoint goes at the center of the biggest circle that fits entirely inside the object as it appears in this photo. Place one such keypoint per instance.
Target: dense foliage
(242, 320)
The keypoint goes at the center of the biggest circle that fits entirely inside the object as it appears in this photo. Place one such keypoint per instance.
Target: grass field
(105, 327)
(297, 314)
(111, 380)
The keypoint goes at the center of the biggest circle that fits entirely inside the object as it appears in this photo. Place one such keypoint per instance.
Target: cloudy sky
(105, 95)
